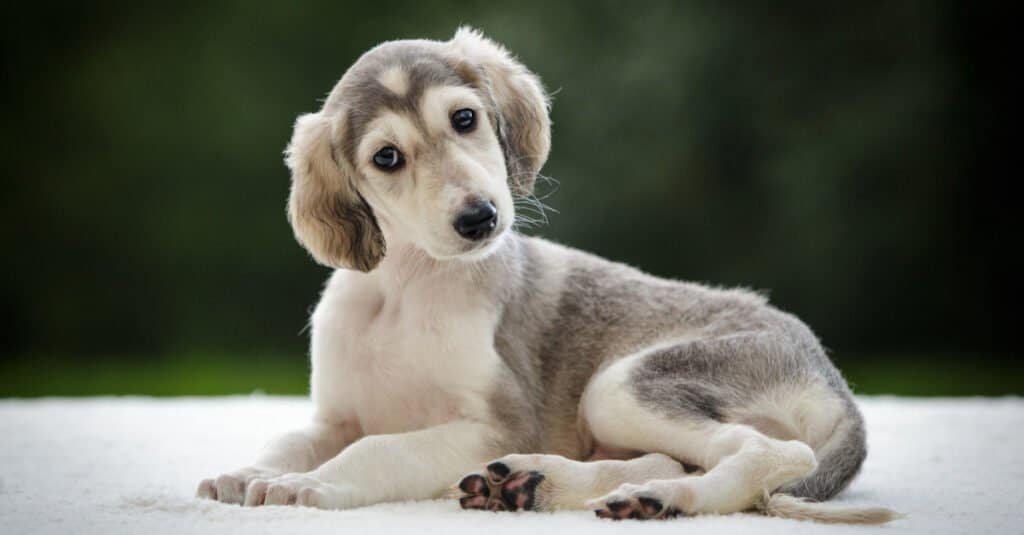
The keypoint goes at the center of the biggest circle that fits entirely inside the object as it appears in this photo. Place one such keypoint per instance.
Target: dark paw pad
(477, 492)
(474, 485)
(520, 489)
(473, 502)
(644, 508)
(502, 490)
(498, 471)
(649, 506)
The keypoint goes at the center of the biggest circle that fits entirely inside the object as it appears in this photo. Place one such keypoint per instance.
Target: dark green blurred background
(826, 155)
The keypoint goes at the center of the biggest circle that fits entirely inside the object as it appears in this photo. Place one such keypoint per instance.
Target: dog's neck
(406, 264)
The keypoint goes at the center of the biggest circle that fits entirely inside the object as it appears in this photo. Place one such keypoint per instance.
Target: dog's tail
(787, 506)
(839, 460)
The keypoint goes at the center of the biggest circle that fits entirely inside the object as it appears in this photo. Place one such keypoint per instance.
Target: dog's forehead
(394, 76)
(398, 72)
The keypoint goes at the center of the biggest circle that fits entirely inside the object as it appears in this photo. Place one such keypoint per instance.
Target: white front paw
(298, 489)
(230, 487)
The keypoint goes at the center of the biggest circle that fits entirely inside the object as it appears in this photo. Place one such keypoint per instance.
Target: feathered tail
(786, 506)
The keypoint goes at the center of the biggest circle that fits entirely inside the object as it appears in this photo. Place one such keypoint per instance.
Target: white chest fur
(395, 358)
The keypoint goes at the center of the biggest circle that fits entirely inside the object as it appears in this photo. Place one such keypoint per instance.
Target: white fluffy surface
(131, 465)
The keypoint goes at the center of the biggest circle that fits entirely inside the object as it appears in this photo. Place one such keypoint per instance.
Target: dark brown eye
(463, 120)
(388, 159)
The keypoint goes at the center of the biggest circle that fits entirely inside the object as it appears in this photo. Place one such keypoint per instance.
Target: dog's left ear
(524, 128)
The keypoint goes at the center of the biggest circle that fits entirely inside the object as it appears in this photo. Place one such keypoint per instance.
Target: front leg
(297, 451)
(418, 465)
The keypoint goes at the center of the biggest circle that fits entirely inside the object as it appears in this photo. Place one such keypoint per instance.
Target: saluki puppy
(447, 344)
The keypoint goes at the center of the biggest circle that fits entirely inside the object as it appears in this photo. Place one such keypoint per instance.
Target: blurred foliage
(203, 374)
(822, 152)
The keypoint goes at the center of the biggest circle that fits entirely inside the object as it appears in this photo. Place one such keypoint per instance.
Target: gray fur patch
(660, 383)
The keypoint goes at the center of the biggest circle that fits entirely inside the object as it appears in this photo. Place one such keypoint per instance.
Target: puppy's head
(424, 142)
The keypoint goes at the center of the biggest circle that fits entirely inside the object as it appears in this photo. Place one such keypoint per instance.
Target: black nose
(477, 221)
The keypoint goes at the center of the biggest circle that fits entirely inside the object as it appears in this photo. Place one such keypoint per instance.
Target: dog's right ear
(329, 217)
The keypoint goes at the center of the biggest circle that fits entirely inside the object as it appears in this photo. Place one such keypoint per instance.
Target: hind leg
(552, 482)
(741, 463)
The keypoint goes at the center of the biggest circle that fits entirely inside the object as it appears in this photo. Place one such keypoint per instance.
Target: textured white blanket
(130, 465)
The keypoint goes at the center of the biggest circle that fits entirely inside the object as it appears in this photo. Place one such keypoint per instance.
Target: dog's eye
(463, 120)
(388, 159)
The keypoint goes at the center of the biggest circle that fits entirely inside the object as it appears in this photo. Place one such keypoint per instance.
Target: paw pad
(501, 489)
(642, 508)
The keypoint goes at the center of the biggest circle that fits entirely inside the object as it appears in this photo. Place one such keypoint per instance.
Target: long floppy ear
(524, 128)
(329, 217)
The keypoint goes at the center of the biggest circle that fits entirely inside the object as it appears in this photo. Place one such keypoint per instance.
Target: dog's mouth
(495, 235)
(475, 250)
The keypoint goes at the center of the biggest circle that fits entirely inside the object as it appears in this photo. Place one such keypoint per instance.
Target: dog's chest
(402, 362)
